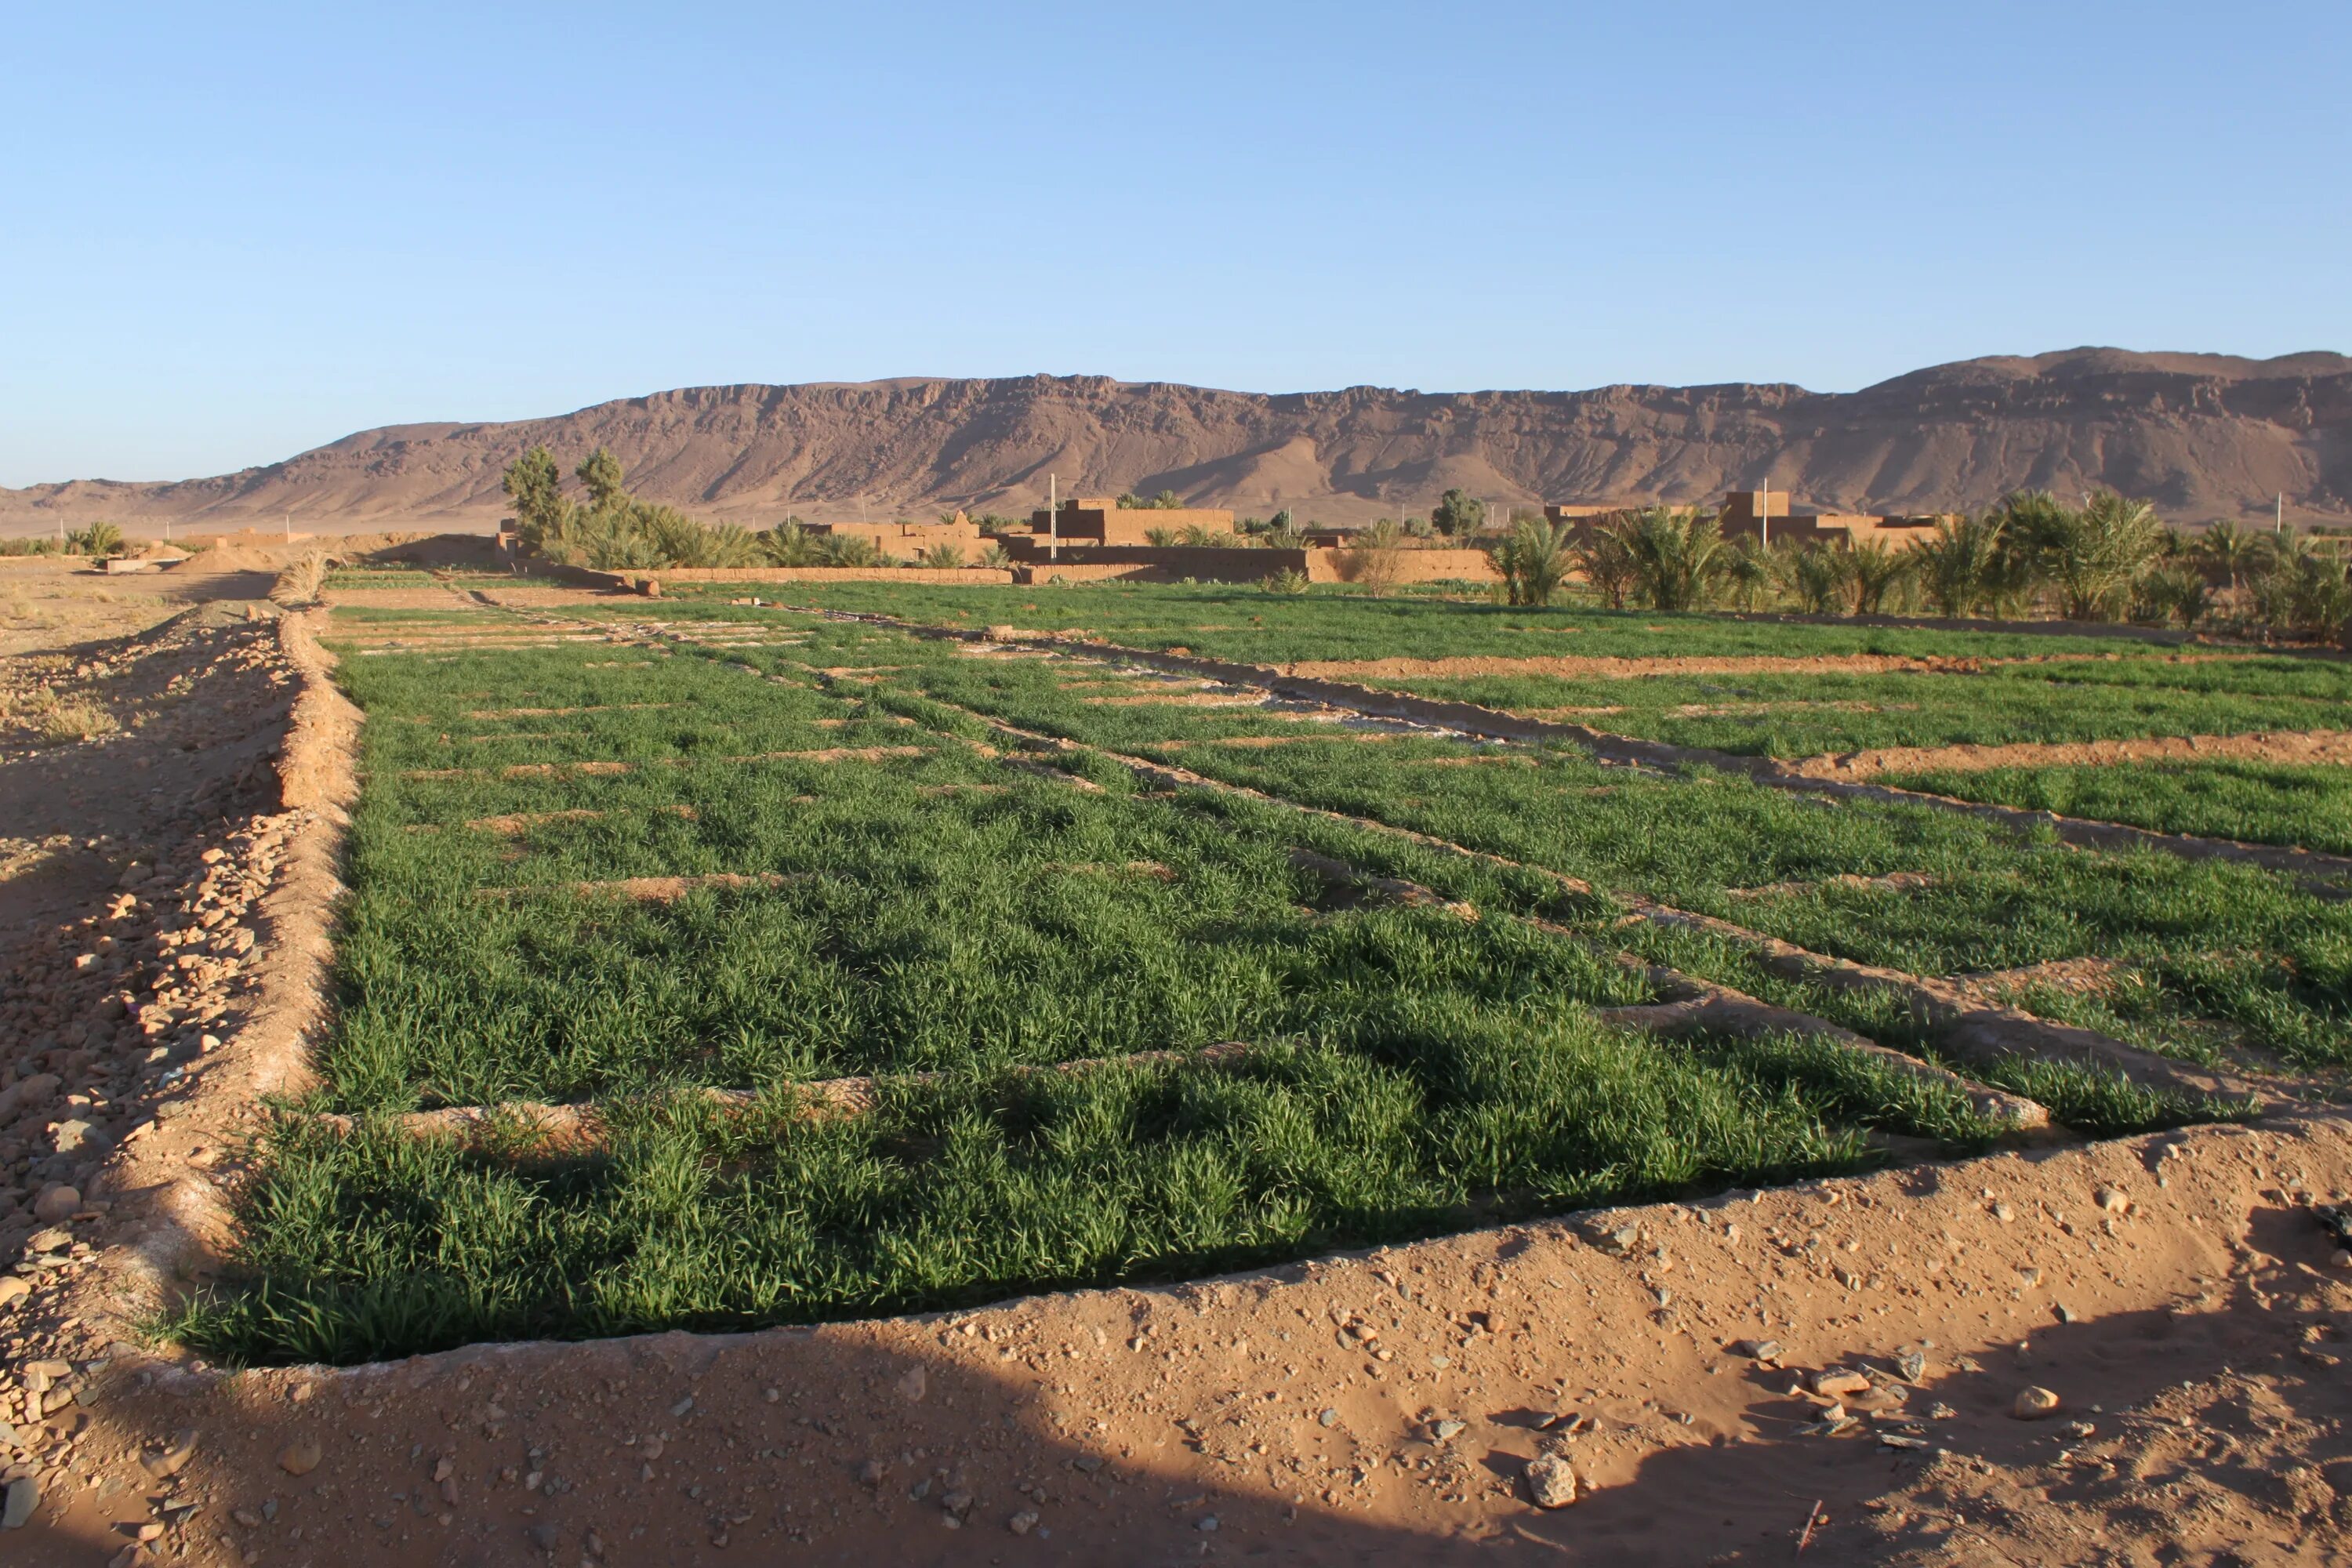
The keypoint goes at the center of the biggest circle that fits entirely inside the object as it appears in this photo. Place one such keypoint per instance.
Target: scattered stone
(1757, 1350)
(14, 1289)
(2065, 1313)
(2028, 1276)
(543, 1537)
(2032, 1403)
(57, 1203)
(682, 1407)
(1447, 1430)
(1911, 1364)
(300, 1457)
(2114, 1200)
(1551, 1483)
(871, 1472)
(24, 1495)
(2342, 1260)
(1838, 1382)
(1021, 1523)
(913, 1385)
(1329, 1418)
(2003, 1213)
(245, 1517)
(1208, 1524)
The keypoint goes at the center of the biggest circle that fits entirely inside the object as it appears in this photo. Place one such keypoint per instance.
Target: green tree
(535, 485)
(1458, 515)
(2096, 556)
(601, 472)
(1600, 558)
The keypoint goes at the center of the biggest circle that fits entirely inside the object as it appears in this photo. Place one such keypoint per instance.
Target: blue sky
(233, 232)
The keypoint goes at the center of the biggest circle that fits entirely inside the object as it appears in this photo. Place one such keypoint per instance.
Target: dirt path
(2331, 747)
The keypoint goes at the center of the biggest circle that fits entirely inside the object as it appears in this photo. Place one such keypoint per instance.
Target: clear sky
(232, 232)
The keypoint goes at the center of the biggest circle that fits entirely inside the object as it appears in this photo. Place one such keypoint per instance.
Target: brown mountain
(2203, 435)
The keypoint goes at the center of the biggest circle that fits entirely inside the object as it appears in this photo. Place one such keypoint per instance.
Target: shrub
(1289, 580)
(1458, 515)
(98, 541)
(1200, 535)
(942, 557)
(1371, 559)
(994, 555)
(300, 581)
(600, 471)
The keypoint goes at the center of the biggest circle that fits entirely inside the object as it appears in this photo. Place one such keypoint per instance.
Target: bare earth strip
(1617, 668)
(2294, 746)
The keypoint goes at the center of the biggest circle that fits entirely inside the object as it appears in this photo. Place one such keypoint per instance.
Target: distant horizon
(444, 423)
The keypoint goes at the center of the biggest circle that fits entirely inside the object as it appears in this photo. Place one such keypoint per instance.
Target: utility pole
(1053, 519)
(2278, 515)
(289, 526)
(1764, 514)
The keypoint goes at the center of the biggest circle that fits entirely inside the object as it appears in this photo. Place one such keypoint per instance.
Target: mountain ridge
(2202, 435)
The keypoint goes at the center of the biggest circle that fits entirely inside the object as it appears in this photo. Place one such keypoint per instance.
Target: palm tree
(1676, 553)
(1537, 559)
(2232, 550)
(1961, 567)
(1873, 569)
(1748, 566)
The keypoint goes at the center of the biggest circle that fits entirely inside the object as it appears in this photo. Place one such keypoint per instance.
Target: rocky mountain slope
(2203, 435)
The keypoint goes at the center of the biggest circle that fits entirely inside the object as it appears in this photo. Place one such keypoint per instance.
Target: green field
(754, 851)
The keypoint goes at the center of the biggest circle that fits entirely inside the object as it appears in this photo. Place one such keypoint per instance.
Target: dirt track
(2174, 1292)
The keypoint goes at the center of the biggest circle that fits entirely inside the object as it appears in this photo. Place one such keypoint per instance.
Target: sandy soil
(2297, 747)
(1726, 1381)
(1615, 668)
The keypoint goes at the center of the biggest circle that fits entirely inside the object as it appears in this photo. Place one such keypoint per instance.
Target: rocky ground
(2120, 1353)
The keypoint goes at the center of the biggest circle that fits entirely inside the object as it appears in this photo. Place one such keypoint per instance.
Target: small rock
(1838, 1382)
(2065, 1313)
(683, 1405)
(1207, 1525)
(2003, 1213)
(51, 1240)
(55, 1204)
(542, 1537)
(1550, 1482)
(871, 1472)
(2028, 1276)
(172, 1458)
(23, 1497)
(1911, 1364)
(300, 1457)
(1329, 1418)
(2114, 1200)
(1757, 1350)
(14, 1289)
(1444, 1431)
(1021, 1523)
(958, 1504)
(2342, 1260)
(2033, 1404)
(913, 1385)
